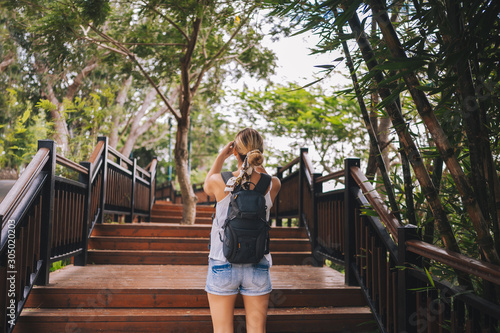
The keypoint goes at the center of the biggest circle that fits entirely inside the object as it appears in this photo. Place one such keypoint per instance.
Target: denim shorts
(225, 279)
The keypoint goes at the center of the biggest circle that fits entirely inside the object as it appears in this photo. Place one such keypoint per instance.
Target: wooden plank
(184, 298)
(187, 277)
(177, 230)
(175, 219)
(190, 320)
(182, 243)
(147, 257)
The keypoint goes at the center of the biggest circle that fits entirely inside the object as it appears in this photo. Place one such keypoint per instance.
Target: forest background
(421, 111)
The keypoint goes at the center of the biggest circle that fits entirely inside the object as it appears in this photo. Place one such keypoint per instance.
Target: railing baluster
(279, 221)
(47, 211)
(132, 191)
(349, 218)
(104, 182)
(81, 259)
(407, 310)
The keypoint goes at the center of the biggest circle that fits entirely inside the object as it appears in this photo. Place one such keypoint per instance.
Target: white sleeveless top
(217, 232)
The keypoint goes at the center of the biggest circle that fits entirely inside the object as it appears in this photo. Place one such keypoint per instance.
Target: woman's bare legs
(222, 312)
(256, 312)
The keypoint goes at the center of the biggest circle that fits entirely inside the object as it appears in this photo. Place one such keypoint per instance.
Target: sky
(294, 64)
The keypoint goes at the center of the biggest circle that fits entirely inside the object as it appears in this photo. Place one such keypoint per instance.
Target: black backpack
(246, 229)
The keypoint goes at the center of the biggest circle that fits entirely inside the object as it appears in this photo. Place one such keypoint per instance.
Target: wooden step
(178, 230)
(183, 286)
(148, 257)
(163, 209)
(176, 219)
(182, 243)
(184, 298)
(178, 207)
(122, 298)
(324, 319)
(177, 214)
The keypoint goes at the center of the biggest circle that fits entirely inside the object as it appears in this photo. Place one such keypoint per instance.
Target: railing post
(152, 186)
(104, 177)
(132, 193)
(407, 305)
(302, 170)
(349, 219)
(47, 211)
(279, 221)
(317, 188)
(81, 259)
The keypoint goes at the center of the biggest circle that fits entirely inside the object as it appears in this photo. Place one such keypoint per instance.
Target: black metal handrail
(47, 218)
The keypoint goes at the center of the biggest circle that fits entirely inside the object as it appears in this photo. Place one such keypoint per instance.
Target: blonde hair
(250, 145)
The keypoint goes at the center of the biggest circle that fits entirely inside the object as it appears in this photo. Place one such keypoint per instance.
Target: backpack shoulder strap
(263, 183)
(226, 175)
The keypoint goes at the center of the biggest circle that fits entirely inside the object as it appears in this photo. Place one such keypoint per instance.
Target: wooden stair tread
(176, 286)
(160, 252)
(176, 243)
(168, 313)
(187, 276)
(179, 230)
(183, 239)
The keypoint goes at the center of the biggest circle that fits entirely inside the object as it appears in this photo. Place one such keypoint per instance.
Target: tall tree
(329, 124)
(440, 61)
(179, 48)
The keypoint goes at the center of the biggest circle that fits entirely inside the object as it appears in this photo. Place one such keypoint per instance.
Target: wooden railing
(47, 218)
(382, 256)
(168, 192)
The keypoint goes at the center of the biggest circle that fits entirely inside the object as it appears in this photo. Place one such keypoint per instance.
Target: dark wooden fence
(168, 192)
(47, 218)
(382, 256)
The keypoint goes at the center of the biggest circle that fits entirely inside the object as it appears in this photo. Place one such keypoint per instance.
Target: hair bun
(255, 157)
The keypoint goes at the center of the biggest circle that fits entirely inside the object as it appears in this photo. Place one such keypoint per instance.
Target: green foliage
(18, 141)
(59, 264)
(328, 124)
(94, 10)
(451, 47)
(209, 133)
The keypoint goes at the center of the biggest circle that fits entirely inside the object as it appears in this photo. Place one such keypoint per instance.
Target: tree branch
(143, 71)
(77, 82)
(186, 66)
(169, 20)
(147, 44)
(7, 62)
(208, 65)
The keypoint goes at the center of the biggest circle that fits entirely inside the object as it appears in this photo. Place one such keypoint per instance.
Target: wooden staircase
(150, 277)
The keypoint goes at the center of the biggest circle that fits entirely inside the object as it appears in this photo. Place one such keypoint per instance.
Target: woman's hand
(227, 151)
(210, 182)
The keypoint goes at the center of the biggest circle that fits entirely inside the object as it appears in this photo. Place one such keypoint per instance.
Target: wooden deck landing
(186, 277)
(168, 286)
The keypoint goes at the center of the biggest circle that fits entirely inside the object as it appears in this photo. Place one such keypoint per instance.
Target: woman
(224, 279)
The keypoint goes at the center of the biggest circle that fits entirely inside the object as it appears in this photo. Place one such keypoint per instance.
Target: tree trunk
(61, 132)
(189, 199)
(437, 174)
(9, 60)
(136, 129)
(399, 124)
(482, 168)
(374, 143)
(121, 98)
(424, 108)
